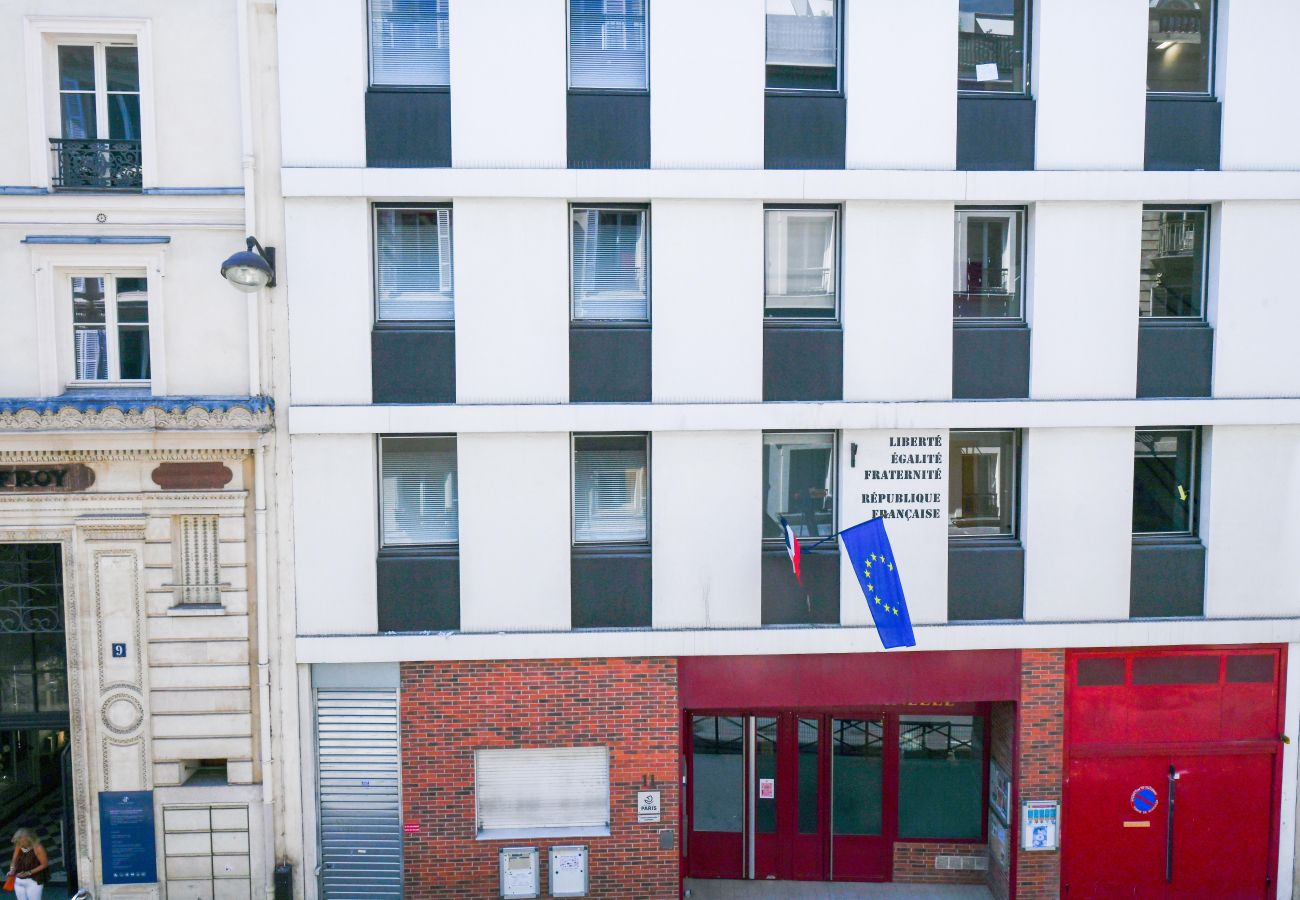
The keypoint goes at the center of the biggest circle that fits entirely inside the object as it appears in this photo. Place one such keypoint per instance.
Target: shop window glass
(940, 777)
(1176, 670)
(1164, 481)
(858, 747)
(1180, 46)
(992, 45)
(803, 50)
(717, 765)
(982, 483)
(798, 483)
(765, 729)
(800, 262)
(809, 734)
(1172, 274)
(987, 274)
(1101, 671)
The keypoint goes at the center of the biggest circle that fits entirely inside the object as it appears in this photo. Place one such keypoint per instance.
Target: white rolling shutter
(552, 791)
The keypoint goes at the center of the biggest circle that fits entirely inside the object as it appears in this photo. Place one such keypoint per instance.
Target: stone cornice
(107, 413)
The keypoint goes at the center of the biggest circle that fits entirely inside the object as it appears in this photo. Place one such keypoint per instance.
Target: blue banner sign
(126, 837)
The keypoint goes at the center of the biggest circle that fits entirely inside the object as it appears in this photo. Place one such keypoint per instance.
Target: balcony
(96, 165)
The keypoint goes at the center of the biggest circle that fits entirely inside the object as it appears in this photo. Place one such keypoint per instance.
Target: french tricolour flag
(791, 547)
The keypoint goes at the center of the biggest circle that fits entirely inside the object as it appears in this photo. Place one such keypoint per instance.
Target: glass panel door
(860, 850)
(715, 783)
(765, 789)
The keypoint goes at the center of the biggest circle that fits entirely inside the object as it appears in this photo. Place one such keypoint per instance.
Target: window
(1164, 481)
(409, 43)
(413, 271)
(1172, 276)
(610, 273)
(799, 483)
(99, 115)
(610, 489)
(557, 792)
(941, 777)
(982, 483)
(992, 46)
(799, 263)
(110, 328)
(1180, 46)
(987, 269)
(418, 491)
(607, 45)
(803, 45)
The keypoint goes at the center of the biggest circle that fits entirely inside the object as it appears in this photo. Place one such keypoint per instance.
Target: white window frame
(531, 763)
(1017, 218)
(53, 268)
(375, 210)
(644, 212)
(112, 349)
(42, 37)
(811, 439)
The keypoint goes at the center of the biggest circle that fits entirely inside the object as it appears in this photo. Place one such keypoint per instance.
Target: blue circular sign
(1144, 799)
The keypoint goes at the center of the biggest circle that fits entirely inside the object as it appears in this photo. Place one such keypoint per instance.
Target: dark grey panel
(1183, 134)
(419, 589)
(803, 363)
(990, 361)
(610, 587)
(986, 580)
(1167, 579)
(609, 364)
(413, 365)
(816, 602)
(1174, 359)
(408, 128)
(802, 131)
(995, 133)
(609, 131)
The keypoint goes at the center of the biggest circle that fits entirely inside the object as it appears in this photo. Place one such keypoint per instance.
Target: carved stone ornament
(122, 713)
(136, 414)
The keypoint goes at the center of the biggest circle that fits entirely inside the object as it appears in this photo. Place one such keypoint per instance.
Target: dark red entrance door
(1191, 827)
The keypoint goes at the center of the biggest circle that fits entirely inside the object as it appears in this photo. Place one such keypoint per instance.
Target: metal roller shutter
(358, 756)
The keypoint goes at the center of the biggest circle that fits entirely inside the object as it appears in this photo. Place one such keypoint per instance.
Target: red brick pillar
(1042, 757)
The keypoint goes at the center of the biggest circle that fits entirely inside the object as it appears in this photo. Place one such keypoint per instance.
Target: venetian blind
(414, 277)
(801, 33)
(419, 496)
(409, 42)
(607, 44)
(535, 789)
(609, 264)
(609, 489)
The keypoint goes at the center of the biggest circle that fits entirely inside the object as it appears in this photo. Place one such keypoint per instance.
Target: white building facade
(137, 450)
(592, 297)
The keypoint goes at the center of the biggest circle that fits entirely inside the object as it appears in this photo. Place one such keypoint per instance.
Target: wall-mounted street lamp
(251, 269)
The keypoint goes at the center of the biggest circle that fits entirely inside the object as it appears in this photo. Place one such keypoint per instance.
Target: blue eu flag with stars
(873, 562)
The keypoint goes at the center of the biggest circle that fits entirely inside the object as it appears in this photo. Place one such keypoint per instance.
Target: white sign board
(647, 806)
(568, 871)
(901, 477)
(767, 788)
(1039, 821)
(520, 874)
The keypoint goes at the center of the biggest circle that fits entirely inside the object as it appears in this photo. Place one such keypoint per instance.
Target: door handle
(1169, 828)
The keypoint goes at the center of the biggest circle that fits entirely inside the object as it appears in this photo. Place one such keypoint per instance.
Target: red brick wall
(1042, 757)
(450, 709)
(914, 861)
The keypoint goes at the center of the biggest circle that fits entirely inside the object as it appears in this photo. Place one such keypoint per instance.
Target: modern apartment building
(136, 447)
(590, 295)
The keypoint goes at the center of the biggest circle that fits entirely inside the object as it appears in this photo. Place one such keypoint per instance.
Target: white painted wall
(205, 327)
(508, 82)
(707, 529)
(1253, 565)
(1077, 522)
(897, 301)
(20, 355)
(900, 76)
(514, 531)
(327, 268)
(324, 70)
(1255, 312)
(1083, 299)
(1260, 127)
(1090, 77)
(512, 301)
(335, 521)
(706, 92)
(706, 263)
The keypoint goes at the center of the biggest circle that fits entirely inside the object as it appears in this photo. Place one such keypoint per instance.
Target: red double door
(1187, 826)
(790, 796)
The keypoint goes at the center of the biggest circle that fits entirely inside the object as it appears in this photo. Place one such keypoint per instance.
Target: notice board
(126, 837)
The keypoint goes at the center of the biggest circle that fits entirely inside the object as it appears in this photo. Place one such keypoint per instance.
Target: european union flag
(873, 562)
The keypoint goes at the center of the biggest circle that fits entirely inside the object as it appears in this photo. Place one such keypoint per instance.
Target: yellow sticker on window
(1182, 493)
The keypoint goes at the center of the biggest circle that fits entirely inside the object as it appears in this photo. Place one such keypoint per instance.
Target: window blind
(801, 33)
(409, 42)
(419, 495)
(800, 259)
(609, 264)
(609, 489)
(414, 278)
(534, 789)
(607, 44)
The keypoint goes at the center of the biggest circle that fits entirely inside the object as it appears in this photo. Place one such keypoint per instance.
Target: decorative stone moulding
(137, 413)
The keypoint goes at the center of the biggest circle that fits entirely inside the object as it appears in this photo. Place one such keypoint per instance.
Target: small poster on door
(767, 789)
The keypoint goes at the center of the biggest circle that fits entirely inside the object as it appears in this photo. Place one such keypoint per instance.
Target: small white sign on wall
(520, 875)
(568, 871)
(647, 806)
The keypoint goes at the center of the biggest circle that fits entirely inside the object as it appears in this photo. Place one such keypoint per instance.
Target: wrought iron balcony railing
(100, 165)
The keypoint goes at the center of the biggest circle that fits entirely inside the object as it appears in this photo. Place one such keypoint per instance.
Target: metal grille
(200, 575)
(31, 589)
(360, 797)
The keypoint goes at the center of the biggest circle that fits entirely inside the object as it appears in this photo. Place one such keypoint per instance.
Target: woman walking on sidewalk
(30, 867)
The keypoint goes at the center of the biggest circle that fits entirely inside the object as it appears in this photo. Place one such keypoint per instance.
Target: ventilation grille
(200, 573)
(978, 863)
